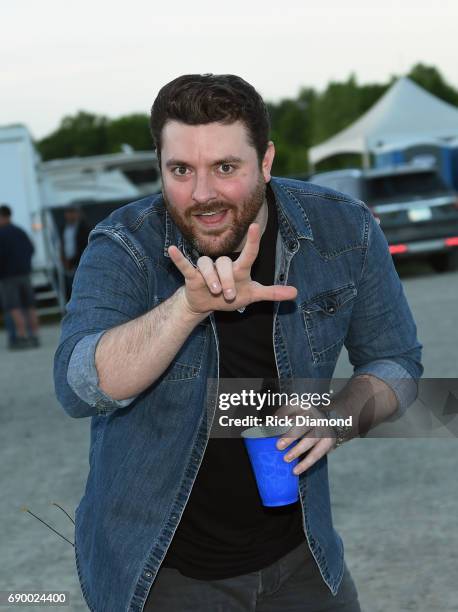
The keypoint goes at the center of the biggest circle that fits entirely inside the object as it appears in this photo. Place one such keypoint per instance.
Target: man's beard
(210, 244)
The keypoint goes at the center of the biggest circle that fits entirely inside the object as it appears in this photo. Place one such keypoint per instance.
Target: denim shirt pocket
(326, 318)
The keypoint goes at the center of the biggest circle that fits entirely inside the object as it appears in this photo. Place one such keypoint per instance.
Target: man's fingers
(180, 261)
(273, 293)
(207, 269)
(301, 447)
(224, 267)
(250, 248)
(284, 442)
(319, 450)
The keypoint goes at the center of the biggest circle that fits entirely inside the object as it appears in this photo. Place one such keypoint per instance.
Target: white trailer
(21, 182)
(20, 185)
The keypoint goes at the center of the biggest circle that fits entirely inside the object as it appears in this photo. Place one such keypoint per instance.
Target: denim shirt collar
(292, 218)
(292, 222)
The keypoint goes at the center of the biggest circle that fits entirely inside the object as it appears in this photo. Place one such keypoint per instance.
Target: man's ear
(268, 160)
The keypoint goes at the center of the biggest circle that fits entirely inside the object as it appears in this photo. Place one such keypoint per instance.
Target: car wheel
(444, 262)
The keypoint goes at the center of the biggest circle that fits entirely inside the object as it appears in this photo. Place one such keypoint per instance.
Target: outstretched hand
(224, 284)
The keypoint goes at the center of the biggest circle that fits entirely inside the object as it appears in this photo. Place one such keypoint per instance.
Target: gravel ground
(395, 501)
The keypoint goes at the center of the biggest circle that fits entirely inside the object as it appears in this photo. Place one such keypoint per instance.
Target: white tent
(406, 112)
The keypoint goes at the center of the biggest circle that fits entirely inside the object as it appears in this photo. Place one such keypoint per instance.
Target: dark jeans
(292, 584)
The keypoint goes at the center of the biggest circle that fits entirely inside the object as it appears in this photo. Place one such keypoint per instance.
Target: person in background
(8, 323)
(73, 242)
(16, 250)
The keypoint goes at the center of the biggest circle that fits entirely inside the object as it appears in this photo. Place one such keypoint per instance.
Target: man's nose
(203, 189)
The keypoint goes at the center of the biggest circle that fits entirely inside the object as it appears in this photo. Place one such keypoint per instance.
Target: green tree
(130, 129)
(340, 105)
(88, 134)
(291, 132)
(297, 123)
(432, 80)
(81, 135)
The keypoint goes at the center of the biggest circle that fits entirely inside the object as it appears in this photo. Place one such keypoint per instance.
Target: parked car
(417, 211)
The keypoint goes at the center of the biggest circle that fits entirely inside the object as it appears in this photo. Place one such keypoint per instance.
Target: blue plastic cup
(277, 485)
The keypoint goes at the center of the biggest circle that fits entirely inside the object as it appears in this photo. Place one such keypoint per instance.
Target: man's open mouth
(211, 218)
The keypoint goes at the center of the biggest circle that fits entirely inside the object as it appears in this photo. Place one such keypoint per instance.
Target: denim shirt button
(174, 517)
(148, 575)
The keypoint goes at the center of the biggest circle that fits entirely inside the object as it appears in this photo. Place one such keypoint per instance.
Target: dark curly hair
(197, 99)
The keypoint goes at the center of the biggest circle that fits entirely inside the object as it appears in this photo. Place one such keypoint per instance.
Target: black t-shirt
(225, 530)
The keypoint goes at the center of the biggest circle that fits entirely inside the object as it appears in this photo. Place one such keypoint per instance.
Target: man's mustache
(211, 207)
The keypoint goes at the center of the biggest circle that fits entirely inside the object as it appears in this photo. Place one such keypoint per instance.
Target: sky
(111, 58)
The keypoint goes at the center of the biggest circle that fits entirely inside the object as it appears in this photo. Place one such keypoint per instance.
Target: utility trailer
(21, 183)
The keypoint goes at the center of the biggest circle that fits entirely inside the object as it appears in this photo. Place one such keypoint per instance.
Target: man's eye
(226, 168)
(179, 171)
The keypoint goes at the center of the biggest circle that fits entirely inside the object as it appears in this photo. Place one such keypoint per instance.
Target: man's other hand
(312, 442)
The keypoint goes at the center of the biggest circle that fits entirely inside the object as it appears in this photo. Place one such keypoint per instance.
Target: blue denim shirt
(145, 451)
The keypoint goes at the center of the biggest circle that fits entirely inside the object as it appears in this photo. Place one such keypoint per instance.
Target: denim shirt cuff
(395, 376)
(83, 378)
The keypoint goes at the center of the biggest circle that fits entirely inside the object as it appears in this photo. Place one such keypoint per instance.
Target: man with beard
(230, 273)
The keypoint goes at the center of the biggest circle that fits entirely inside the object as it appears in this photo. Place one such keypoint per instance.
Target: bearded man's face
(212, 184)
